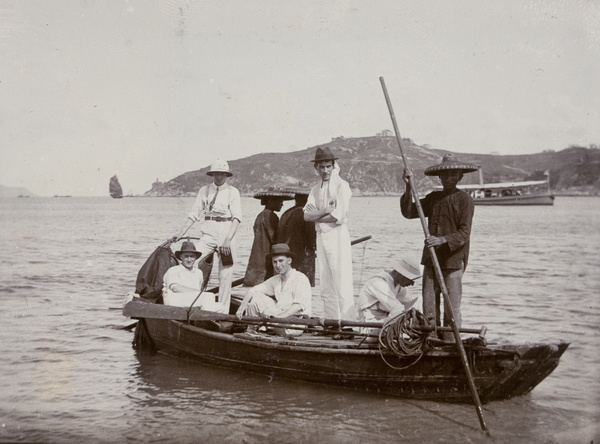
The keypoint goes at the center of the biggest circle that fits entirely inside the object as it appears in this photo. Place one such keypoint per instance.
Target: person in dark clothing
(300, 236)
(449, 216)
(265, 236)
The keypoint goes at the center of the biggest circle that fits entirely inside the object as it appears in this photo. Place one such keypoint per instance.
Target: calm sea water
(69, 373)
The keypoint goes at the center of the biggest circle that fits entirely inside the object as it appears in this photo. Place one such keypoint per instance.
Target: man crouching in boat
(182, 283)
(386, 295)
(288, 293)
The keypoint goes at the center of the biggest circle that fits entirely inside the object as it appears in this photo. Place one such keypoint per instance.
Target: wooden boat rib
(500, 372)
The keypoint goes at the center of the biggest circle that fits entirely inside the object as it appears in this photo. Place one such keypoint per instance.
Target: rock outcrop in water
(373, 167)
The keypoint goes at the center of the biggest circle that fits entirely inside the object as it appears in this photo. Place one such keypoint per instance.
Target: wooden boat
(114, 188)
(500, 372)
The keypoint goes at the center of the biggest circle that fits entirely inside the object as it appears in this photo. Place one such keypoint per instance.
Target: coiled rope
(401, 336)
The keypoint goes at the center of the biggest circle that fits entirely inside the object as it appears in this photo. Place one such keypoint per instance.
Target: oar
(138, 310)
(448, 312)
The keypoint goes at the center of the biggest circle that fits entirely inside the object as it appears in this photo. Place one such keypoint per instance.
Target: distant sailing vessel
(114, 188)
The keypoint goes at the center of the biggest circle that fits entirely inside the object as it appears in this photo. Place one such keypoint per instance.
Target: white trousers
(266, 306)
(213, 235)
(334, 256)
(206, 301)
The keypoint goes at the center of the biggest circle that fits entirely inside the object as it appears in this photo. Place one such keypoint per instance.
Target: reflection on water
(70, 372)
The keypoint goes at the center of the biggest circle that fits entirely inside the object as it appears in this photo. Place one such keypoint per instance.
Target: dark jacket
(449, 214)
(149, 283)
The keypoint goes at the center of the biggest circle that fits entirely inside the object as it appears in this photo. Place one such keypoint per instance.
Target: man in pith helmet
(449, 216)
(218, 209)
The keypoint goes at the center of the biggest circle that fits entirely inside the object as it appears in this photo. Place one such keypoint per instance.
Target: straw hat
(187, 247)
(323, 154)
(280, 250)
(409, 268)
(450, 163)
(219, 166)
(297, 191)
(274, 192)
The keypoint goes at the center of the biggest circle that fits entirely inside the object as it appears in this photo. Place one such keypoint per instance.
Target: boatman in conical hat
(218, 208)
(265, 235)
(299, 235)
(327, 206)
(449, 215)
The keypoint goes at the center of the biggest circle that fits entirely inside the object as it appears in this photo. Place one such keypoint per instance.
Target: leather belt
(218, 218)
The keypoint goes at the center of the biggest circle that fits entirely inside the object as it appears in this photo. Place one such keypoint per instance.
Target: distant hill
(373, 166)
(14, 192)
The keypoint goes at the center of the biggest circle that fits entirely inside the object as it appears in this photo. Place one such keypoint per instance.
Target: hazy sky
(152, 89)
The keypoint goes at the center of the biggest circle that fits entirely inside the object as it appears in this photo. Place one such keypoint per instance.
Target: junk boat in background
(114, 188)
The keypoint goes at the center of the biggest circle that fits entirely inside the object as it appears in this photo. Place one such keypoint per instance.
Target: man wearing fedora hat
(219, 210)
(300, 235)
(265, 235)
(288, 293)
(327, 206)
(449, 216)
(183, 283)
(386, 295)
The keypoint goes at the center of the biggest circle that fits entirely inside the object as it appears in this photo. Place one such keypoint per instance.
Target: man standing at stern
(449, 215)
(328, 204)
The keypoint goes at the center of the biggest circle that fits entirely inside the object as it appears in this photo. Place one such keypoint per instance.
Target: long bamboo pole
(448, 312)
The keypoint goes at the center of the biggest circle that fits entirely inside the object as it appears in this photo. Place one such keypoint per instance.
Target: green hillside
(373, 166)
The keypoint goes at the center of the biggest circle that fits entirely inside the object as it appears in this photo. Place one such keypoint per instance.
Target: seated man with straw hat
(182, 284)
(386, 295)
(288, 293)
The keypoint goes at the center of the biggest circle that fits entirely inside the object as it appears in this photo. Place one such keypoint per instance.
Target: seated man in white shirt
(182, 283)
(288, 293)
(385, 295)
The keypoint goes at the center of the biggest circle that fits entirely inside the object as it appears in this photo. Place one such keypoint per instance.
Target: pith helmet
(450, 163)
(323, 154)
(219, 166)
(409, 268)
(187, 247)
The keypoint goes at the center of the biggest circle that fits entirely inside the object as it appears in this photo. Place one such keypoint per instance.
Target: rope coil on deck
(400, 336)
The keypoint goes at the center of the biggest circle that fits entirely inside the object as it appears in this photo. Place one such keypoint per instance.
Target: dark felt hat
(187, 247)
(323, 154)
(280, 250)
(450, 163)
